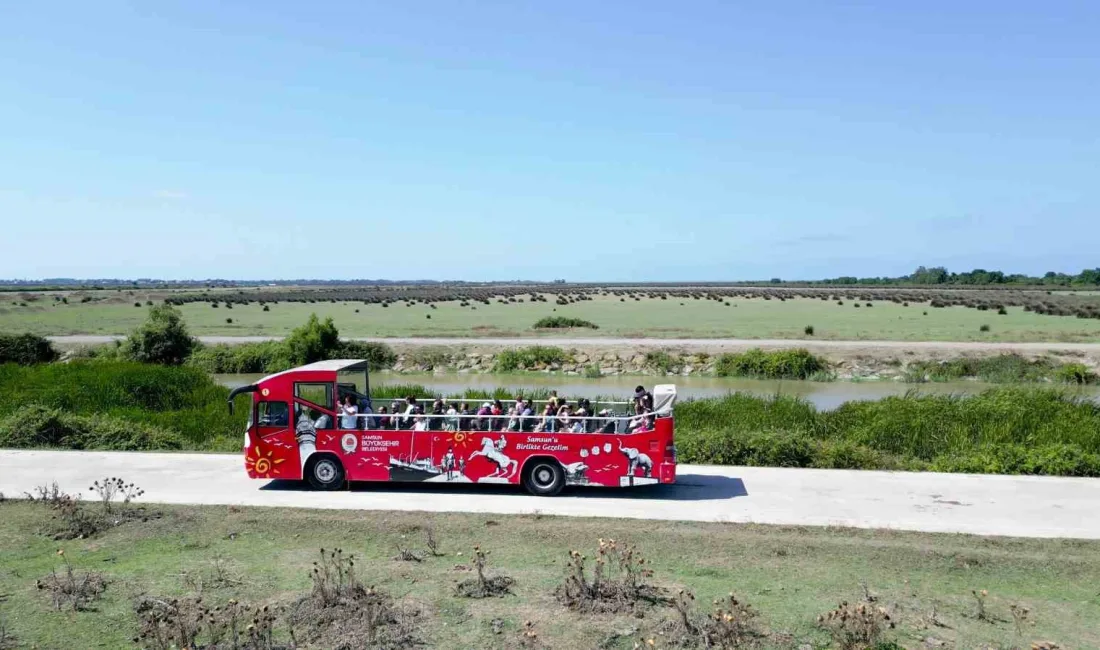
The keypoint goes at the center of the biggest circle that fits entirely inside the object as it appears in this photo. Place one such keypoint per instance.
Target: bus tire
(325, 472)
(544, 477)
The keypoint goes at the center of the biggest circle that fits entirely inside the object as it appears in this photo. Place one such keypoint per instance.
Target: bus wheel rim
(325, 471)
(544, 476)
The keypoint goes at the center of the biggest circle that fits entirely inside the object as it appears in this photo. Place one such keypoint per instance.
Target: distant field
(114, 313)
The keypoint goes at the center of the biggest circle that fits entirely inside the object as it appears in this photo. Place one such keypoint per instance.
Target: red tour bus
(298, 429)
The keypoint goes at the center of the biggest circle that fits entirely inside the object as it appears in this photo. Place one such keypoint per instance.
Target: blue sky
(585, 140)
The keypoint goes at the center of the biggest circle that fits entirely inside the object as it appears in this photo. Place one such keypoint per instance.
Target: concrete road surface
(732, 344)
(986, 505)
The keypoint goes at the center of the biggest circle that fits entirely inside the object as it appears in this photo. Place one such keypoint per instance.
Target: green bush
(163, 338)
(1001, 369)
(275, 356)
(35, 426)
(184, 401)
(776, 364)
(535, 356)
(1074, 373)
(557, 322)
(26, 349)
(317, 340)
(661, 361)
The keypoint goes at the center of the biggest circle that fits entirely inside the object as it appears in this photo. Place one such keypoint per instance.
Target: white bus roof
(331, 365)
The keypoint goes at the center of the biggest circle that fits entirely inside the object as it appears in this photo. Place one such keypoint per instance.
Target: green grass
(1008, 430)
(1000, 369)
(744, 318)
(791, 575)
(184, 401)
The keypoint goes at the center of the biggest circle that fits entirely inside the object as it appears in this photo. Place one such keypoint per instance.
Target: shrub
(808, 330)
(36, 426)
(776, 364)
(535, 356)
(182, 400)
(1075, 373)
(983, 328)
(557, 322)
(314, 341)
(26, 349)
(661, 361)
(162, 339)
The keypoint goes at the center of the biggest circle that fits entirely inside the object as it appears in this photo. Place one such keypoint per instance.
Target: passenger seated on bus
(368, 422)
(643, 397)
(348, 412)
(513, 420)
(438, 410)
(608, 425)
(464, 422)
(483, 417)
(549, 417)
(420, 423)
(564, 413)
(384, 419)
(452, 419)
(322, 421)
(411, 409)
(641, 420)
(583, 413)
(527, 419)
(499, 419)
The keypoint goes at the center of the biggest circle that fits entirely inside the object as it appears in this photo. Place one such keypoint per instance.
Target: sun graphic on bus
(264, 466)
(459, 439)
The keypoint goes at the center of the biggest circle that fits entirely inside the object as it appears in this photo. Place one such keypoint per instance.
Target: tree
(314, 341)
(163, 338)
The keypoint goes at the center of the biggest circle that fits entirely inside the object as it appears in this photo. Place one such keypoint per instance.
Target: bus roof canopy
(331, 365)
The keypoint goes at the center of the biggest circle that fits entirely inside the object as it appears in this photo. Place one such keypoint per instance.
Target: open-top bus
(297, 430)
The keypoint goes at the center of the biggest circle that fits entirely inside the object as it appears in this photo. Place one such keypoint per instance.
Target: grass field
(743, 318)
(790, 575)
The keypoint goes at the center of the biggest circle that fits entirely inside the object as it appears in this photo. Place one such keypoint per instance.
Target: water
(824, 395)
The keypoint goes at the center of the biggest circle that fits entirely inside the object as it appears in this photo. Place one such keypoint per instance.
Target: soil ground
(790, 575)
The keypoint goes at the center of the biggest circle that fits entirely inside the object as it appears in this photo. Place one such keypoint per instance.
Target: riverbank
(846, 360)
(1008, 430)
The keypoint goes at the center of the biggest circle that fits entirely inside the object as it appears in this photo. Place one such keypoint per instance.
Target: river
(824, 395)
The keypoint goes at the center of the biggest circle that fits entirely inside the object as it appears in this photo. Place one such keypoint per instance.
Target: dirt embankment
(872, 360)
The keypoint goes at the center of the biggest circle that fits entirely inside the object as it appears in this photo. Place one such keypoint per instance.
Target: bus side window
(315, 393)
(274, 414)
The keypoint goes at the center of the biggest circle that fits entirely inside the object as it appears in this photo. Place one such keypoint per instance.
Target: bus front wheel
(544, 477)
(324, 472)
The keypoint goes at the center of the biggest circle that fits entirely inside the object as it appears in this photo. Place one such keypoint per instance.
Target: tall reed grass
(1003, 430)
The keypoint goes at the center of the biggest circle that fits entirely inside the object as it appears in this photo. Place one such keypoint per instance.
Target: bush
(1075, 373)
(183, 401)
(315, 341)
(557, 322)
(808, 330)
(26, 349)
(36, 426)
(162, 339)
(777, 364)
(535, 356)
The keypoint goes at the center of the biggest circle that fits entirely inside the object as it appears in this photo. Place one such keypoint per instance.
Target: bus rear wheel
(324, 472)
(544, 477)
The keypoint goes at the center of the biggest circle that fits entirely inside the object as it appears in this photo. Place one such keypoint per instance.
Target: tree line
(938, 275)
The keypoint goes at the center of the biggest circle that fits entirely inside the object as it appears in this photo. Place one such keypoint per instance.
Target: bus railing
(500, 423)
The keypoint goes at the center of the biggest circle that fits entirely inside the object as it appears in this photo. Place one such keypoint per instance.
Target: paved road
(985, 505)
(967, 346)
